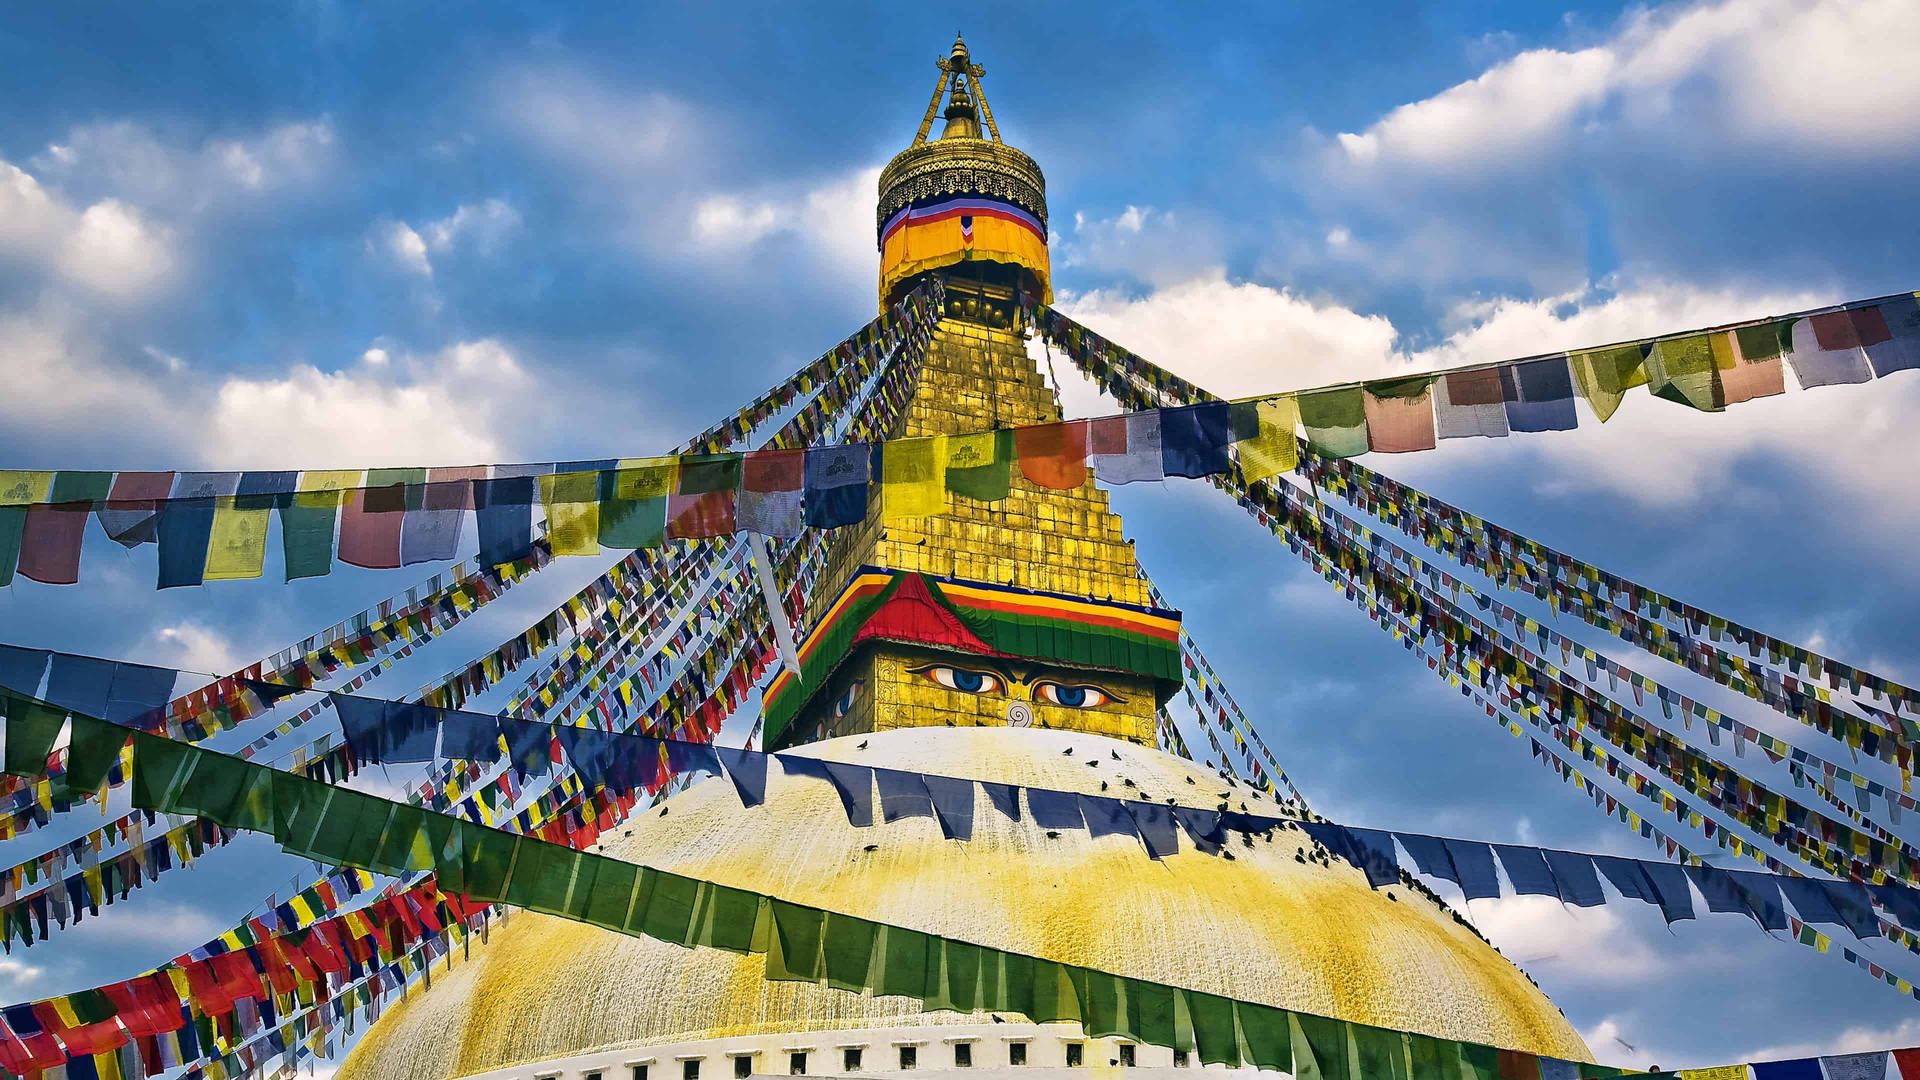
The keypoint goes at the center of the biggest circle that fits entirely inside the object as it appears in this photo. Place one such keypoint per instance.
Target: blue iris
(1071, 696)
(970, 681)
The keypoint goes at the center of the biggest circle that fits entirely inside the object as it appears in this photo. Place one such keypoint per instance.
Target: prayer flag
(980, 466)
(1744, 377)
(50, 544)
(771, 485)
(375, 512)
(571, 495)
(1899, 319)
(131, 515)
(913, 481)
(307, 525)
(1053, 455)
(836, 493)
(186, 526)
(503, 512)
(1399, 415)
(237, 545)
(1469, 403)
(432, 533)
(18, 489)
(702, 502)
(1683, 370)
(1123, 449)
(633, 502)
(1196, 440)
(1275, 446)
(1605, 376)
(1826, 350)
(1336, 421)
(1538, 395)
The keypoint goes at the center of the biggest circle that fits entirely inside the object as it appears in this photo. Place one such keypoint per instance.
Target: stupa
(1010, 641)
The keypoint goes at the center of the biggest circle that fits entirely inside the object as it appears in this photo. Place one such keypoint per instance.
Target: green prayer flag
(1106, 1006)
(586, 882)
(92, 753)
(670, 905)
(489, 855)
(1382, 1053)
(1150, 1006)
(848, 951)
(1213, 1028)
(980, 466)
(1683, 371)
(1401, 388)
(962, 969)
(1433, 1059)
(397, 851)
(32, 727)
(730, 918)
(1319, 1047)
(1767, 341)
(1057, 992)
(633, 507)
(1605, 376)
(796, 939)
(1478, 1062)
(903, 969)
(1336, 421)
(1268, 1035)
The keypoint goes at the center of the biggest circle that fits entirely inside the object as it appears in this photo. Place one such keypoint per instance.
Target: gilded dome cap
(963, 197)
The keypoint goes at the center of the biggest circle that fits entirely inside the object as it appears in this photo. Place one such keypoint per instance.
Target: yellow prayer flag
(321, 488)
(646, 478)
(913, 478)
(237, 547)
(19, 486)
(1276, 449)
(573, 512)
(1605, 376)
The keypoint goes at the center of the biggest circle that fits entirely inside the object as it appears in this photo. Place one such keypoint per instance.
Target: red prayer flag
(690, 517)
(775, 470)
(1053, 455)
(50, 543)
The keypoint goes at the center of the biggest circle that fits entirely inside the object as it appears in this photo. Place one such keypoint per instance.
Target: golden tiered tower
(952, 633)
(1061, 548)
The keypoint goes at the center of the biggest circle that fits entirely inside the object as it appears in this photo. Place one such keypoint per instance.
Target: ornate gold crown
(960, 161)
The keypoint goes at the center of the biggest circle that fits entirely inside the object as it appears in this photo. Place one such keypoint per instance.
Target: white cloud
(1660, 145)
(484, 224)
(453, 407)
(1160, 247)
(189, 646)
(1549, 939)
(398, 241)
(835, 218)
(1509, 109)
(1718, 71)
(1242, 338)
(108, 247)
(135, 164)
(17, 977)
(1853, 1040)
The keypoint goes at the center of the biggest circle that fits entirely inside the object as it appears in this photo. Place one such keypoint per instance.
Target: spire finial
(966, 102)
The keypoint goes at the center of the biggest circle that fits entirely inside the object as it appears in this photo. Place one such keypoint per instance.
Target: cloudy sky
(321, 237)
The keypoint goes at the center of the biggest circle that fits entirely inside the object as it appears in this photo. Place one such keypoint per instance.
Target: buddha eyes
(845, 704)
(969, 681)
(964, 680)
(1072, 697)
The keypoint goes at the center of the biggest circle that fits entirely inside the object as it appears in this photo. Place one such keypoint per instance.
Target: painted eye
(964, 680)
(845, 704)
(1072, 697)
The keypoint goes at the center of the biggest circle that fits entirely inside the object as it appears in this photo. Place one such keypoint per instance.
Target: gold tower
(1061, 547)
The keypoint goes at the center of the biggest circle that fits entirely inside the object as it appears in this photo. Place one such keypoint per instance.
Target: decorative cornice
(961, 166)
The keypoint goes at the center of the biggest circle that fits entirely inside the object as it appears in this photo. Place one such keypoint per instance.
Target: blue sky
(317, 236)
